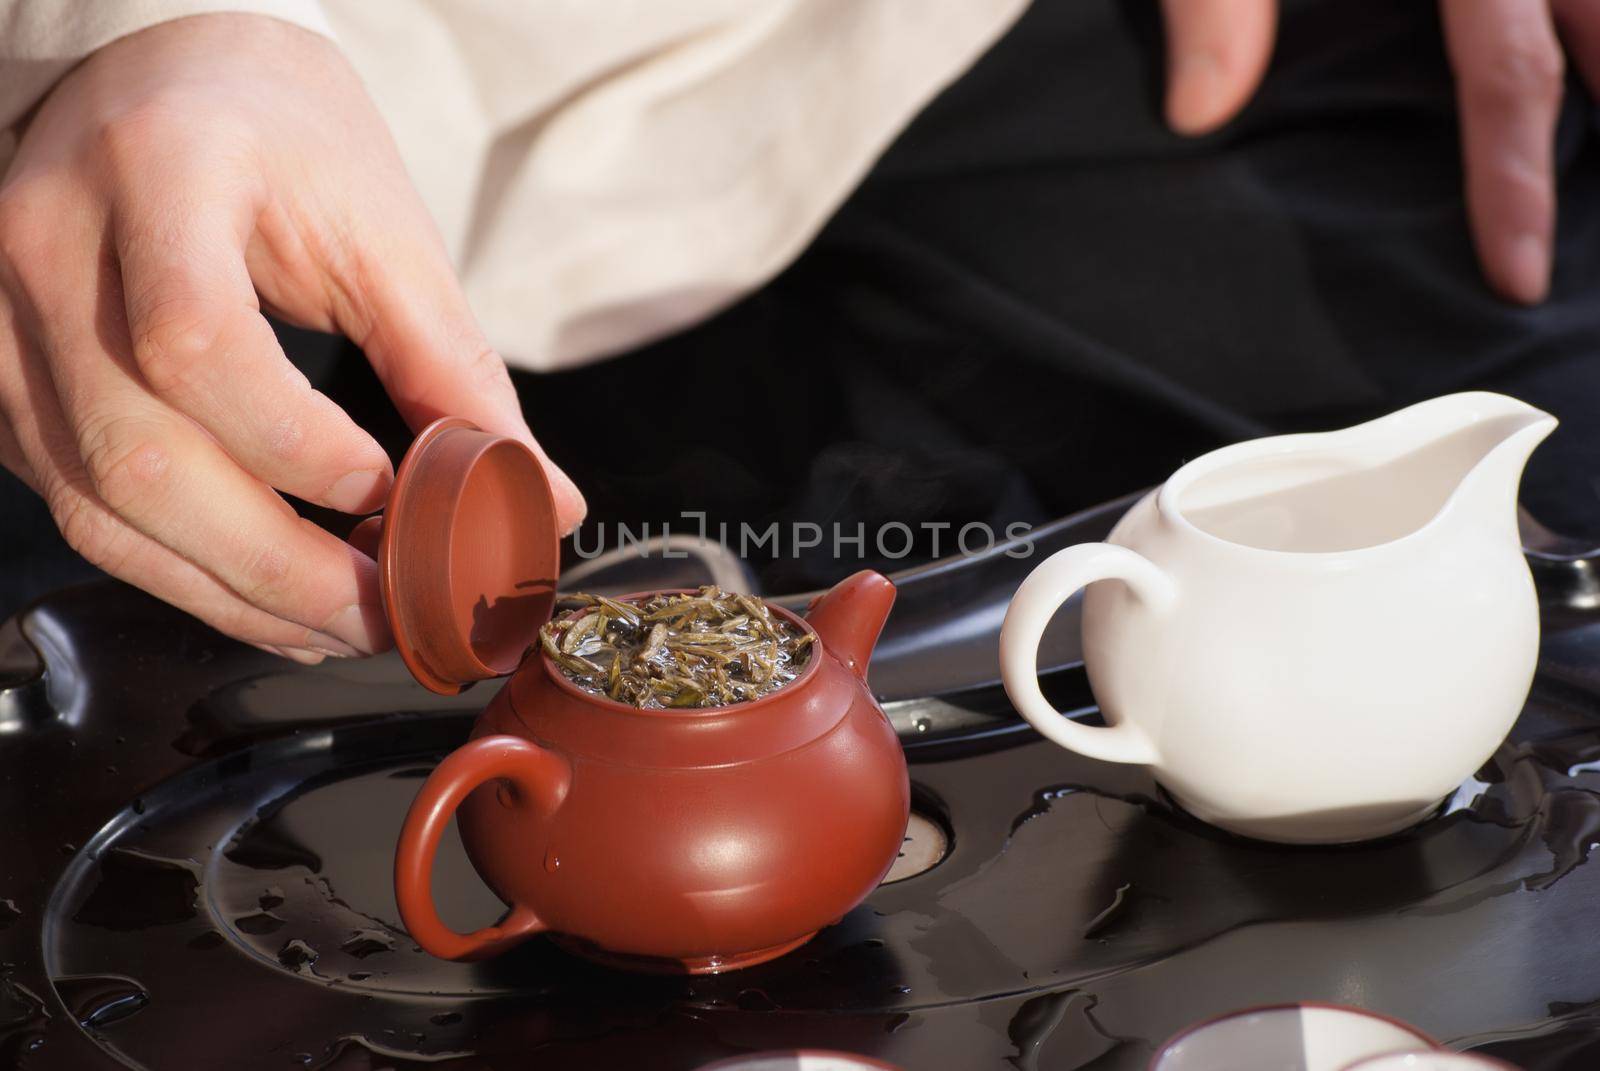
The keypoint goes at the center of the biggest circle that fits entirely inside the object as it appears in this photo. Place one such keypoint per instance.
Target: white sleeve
(40, 40)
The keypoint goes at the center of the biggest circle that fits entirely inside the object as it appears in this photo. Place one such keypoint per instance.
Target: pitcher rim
(1298, 442)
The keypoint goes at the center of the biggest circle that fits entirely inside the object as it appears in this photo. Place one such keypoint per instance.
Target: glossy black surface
(195, 873)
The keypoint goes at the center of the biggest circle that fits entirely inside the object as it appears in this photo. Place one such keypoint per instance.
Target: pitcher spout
(849, 618)
(1506, 431)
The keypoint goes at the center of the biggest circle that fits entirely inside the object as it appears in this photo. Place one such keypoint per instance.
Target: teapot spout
(849, 618)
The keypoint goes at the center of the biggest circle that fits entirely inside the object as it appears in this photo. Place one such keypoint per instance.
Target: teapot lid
(469, 555)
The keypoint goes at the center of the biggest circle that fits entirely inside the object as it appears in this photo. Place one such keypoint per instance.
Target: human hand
(1508, 62)
(169, 188)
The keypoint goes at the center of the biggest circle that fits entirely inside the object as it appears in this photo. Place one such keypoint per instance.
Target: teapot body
(695, 841)
(692, 840)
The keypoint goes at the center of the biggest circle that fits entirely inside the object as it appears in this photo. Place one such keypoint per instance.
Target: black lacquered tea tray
(195, 861)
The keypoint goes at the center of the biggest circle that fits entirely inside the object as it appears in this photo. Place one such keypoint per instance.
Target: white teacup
(1311, 638)
(1289, 1037)
(1431, 1061)
(800, 1060)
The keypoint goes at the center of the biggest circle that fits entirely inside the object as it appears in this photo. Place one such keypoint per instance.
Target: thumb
(1217, 53)
(433, 359)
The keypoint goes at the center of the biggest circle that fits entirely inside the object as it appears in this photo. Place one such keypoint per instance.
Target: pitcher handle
(1035, 602)
(537, 776)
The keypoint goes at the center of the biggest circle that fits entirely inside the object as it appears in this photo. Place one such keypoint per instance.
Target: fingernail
(1527, 268)
(1196, 93)
(570, 505)
(360, 626)
(331, 646)
(359, 492)
(304, 657)
(367, 536)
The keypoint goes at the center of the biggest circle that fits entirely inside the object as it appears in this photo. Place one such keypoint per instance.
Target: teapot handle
(538, 778)
(1034, 604)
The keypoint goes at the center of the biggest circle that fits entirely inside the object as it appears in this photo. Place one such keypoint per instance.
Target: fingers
(13, 459)
(32, 429)
(433, 359)
(1508, 68)
(106, 542)
(162, 476)
(1217, 53)
(1578, 22)
(202, 347)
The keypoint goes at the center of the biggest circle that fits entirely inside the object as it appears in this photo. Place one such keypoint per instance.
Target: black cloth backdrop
(1041, 299)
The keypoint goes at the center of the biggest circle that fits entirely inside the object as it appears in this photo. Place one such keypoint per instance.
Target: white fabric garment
(604, 171)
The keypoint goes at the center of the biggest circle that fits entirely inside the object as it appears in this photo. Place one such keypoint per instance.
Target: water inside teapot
(1320, 501)
(676, 650)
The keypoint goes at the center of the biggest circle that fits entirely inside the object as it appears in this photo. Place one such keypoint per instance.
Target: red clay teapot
(695, 840)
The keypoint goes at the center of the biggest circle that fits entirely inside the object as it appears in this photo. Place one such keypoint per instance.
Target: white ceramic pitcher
(1314, 638)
